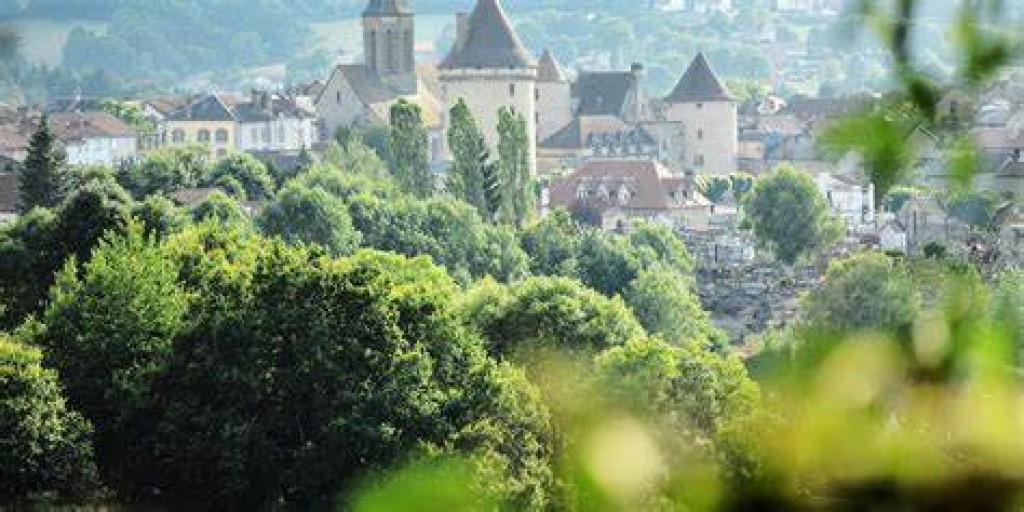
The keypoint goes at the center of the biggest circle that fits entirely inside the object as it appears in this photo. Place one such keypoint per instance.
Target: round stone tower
(489, 68)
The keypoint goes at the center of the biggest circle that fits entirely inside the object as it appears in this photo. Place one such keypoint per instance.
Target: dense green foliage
(36, 246)
(548, 313)
(310, 216)
(46, 448)
(865, 292)
(789, 216)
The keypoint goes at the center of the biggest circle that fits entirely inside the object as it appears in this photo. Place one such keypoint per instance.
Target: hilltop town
(597, 143)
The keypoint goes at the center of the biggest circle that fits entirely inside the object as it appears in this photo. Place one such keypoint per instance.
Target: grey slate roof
(550, 70)
(387, 8)
(699, 83)
(491, 42)
(596, 132)
(276, 105)
(207, 108)
(603, 93)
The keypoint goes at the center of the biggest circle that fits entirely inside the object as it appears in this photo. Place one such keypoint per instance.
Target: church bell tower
(389, 40)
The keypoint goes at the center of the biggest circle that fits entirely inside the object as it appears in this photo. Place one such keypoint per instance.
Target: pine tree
(409, 160)
(469, 159)
(43, 175)
(514, 168)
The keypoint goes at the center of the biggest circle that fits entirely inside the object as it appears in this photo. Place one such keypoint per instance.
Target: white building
(892, 237)
(490, 68)
(708, 141)
(274, 122)
(95, 138)
(849, 199)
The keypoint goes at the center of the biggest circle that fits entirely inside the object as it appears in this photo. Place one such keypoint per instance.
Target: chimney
(461, 29)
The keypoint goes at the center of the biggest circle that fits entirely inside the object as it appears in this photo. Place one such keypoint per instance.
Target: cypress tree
(43, 175)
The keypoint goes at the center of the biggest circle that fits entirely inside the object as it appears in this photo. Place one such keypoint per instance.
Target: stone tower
(489, 68)
(389, 43)
(554, 96)
(707, 112)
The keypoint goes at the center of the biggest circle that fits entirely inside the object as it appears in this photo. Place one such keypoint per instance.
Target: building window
(280, 134)
(203, 135)
(536, 94)
(700, 134)
(266, 135)
(178, 136)
(511, 89)
(221, 153)
(700, 106)
(536, 117)
(698, 160)
(222, 136)
(338, 95)
(255, 134)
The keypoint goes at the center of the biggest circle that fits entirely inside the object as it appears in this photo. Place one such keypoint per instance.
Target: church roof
(490, 42)
(549, 69)
(699, 83)
(387, 8)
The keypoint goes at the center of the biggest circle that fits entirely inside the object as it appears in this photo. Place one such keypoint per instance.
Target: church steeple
(387, 8)
(389, 43)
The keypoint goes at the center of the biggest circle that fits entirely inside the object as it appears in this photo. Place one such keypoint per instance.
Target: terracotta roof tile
(626, 183)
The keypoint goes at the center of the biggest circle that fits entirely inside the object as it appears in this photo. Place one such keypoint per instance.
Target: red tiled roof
(637, 184)
(76, 126)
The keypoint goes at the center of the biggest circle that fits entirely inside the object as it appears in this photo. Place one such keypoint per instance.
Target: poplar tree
(408, 140)
(469, 171)
(514, 168)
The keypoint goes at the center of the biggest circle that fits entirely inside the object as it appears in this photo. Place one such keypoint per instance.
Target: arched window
(222, 136)
(178, 136)
(372, 53)
(410, 51)
(391, 50)
(203, 135)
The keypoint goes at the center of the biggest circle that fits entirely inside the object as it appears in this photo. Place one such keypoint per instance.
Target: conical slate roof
(387, 8)
(699, 83)
(491, 42)
(549, 70)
